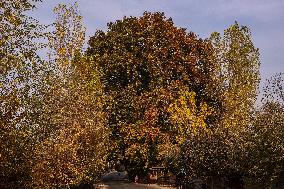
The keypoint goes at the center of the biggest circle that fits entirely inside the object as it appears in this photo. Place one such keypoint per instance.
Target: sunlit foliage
(237, 72)
(71, 130)
(187, 117)
(71, 127)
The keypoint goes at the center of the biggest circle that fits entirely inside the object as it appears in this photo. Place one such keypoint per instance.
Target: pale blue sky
(265, 18)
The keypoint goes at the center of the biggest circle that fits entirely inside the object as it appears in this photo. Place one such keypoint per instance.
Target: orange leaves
(151, 116)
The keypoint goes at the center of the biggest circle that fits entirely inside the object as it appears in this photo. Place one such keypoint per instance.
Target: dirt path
(121, 185)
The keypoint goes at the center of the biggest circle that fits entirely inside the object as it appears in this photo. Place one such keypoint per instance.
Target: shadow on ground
(125, 185)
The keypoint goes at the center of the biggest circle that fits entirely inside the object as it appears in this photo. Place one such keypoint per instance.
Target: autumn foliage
(145, 93)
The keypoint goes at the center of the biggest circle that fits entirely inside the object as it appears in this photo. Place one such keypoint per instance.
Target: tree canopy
(147, 63)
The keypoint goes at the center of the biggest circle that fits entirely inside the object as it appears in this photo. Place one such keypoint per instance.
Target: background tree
(223, 151)
(237, 72)
(265, 137)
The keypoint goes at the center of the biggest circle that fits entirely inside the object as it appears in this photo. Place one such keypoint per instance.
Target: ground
(122, 185)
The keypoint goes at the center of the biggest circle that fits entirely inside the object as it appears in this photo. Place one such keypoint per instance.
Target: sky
(265, 18)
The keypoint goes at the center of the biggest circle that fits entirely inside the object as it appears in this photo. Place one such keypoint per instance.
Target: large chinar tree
(150, 68)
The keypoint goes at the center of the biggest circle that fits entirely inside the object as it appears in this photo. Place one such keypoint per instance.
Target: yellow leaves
(69, 35)
(72, 141)
(61, 51)
(68, 157)
(186, 116)
(237, 64)
(137, 152)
